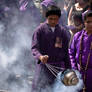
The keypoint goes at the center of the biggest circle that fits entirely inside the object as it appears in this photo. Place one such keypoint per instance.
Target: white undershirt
(52, 28)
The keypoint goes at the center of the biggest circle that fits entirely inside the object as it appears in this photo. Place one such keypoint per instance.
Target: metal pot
(69, 77)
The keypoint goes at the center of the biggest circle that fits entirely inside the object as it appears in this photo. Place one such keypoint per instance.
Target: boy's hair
(87, 14)
(53, 10)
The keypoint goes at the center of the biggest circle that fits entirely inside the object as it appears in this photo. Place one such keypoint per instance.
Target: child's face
(53, 20)
(78, 24)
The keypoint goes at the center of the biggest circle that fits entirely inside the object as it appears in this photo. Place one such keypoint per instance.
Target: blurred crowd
(71, 19)
(72, 10)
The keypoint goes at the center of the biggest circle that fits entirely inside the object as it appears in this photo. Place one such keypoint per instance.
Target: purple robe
(47, 3)
(74, 51)
(43, 43)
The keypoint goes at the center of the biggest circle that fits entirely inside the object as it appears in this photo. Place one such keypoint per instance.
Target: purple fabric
(48, 3)
(74, 51)
(23, 4)
(43, 43)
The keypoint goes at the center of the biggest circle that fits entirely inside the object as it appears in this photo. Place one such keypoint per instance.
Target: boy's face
(78, 24)
(53, 20)
(88, 24)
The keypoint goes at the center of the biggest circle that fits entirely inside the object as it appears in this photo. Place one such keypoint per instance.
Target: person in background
(68, 5)
(78, 23)
(49, 46)
(79, 7)
(43, 8)
(63, 19)
(80, 52)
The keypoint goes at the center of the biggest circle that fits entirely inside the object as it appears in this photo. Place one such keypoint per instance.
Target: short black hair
(87, 14)
(53, 10)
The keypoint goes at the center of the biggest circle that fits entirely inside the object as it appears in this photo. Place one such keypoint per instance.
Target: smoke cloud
(60, 87)
(16, 62)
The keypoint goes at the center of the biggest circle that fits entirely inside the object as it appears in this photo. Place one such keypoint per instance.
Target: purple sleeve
(35, 44)
(72, 54)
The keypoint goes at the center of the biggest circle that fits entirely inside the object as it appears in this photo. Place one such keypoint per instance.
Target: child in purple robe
(49, 46)
(81, 52)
